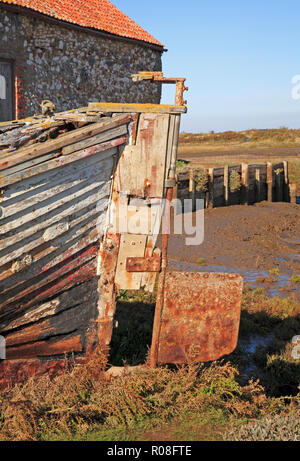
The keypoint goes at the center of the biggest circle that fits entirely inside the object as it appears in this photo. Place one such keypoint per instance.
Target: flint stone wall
(71, 67)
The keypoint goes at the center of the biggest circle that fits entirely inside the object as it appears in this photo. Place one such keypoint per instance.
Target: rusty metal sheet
(201, 311)
(150, 264)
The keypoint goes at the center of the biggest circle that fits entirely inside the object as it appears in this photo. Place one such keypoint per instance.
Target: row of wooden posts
(258, 182)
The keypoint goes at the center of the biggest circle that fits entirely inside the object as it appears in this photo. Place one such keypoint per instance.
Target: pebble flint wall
(71, 67)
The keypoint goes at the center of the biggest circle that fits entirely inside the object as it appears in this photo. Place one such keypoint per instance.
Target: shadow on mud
(264, 352)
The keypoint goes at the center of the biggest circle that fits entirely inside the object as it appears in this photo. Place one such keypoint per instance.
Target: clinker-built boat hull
(81, 207)
(61, 262)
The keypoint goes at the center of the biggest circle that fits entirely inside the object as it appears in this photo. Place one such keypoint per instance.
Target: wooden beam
(245, 184)
(279, 185)
(257, 186)
(137, 108)
(226, 185)
(80, 134)
(192, 189)
(270, 181)
(94, 140)
(211, 174)
(286, 181)
(108, 149)
(293, 193)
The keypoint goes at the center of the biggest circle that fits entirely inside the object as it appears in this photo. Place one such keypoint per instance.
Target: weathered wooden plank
(48, 277)
(130, 246)
(91, 185)
(107, 264)
(6, 126)
(211, 187)
(45, 348)
(218, 172)
(33, 315)
(79, 117)
(171, 135)
(141, 168)
(245, 183)
(137, 108)
(137, 217)
(279, 184)
(11, 253)
(98, 139)
(35, 198)
(255, 166)
(70, 138)
(31, 163)
(106, 148)
(293, 193)
(54, 172)
(219, 180)
(67, 281)
(278, 166)
(286, 181)
(270, 181)
(84, 293)
(236, 168)
(78, 221)
(64, 323)
(226, 185)
(192, 190)
(45, 259)
(19, 246)
(257, 185)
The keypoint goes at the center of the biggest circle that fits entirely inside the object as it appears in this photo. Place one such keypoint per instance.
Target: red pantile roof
(95, 14)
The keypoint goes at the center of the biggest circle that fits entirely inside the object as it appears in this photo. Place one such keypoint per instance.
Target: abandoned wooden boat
(62, 178)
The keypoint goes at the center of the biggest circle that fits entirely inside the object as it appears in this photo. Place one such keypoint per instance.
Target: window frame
(11, 61)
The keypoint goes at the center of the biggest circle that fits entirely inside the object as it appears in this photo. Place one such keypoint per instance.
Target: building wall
(72, 67)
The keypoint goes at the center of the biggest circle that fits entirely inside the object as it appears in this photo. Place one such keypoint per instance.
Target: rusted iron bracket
(158, 77)
(150, 264)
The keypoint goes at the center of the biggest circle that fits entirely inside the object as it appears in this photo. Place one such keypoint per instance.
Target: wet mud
(260, 242)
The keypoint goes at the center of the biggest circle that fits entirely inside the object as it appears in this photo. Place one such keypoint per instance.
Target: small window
(6, 91)
(2, 87)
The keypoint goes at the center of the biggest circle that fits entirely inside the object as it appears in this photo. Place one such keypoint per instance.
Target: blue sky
(239, 58)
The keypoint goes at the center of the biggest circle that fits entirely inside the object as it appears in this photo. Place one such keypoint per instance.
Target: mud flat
(261, 242)
(200, 153)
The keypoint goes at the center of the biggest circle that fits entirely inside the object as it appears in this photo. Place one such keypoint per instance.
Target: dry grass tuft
(279, 428)
(84, 398)
(235, 181)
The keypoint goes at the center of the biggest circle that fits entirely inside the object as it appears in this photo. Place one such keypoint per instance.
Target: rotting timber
(62, 177)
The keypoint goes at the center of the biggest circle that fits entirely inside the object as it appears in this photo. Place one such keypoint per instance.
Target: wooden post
(211, 173)
(109, 253)
(226, 185)
(175, 191)
(257, 186)
(192, 189)
(286, 192)
(293, 193)
(245, 183)
(279, 185)
(270, 181)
